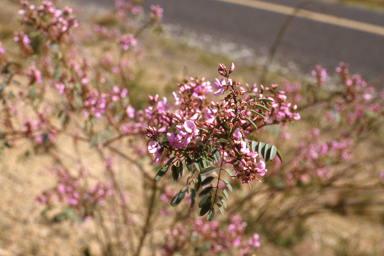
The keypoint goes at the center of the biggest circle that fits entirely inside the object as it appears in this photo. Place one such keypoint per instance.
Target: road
(306, 42)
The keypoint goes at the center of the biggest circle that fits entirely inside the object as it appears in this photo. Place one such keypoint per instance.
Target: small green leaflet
(177, 171)
(253, 146)
(257, 113)
(216, 155)
(225, 193)
(221, 208)
(198, 183)
(273, 152)
(207, 180)
(203, 210)
(229, 173)
(163, 170)
(262, 107)
(205, 191)
(279, 156)
(222, 200)
(205, 200)
(211, 214)
(193, 197)
(189, 163)
(251, 122)
(178, 197)
(265, 99)
(208, 170)
(228, 185)
(265, 152)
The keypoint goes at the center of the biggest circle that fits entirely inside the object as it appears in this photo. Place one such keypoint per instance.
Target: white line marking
(324, 18)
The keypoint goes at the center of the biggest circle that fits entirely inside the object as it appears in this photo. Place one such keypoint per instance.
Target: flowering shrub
(201, 134)
(208, 237)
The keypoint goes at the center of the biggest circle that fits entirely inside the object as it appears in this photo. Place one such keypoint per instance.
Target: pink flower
(237, 134)
(130, 111)
(155, 149)
(319, 73)
(189, 126)
(126, 41)
(173, 140)
(209, 118)
(232, 68)
(156, 12)
(261, 168)
(219, 86)
(2, 51)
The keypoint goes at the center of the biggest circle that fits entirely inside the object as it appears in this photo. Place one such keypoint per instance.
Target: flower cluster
(40, 131)
(320, 74)
(315, 157)
(71, 191)
(24, 42)
(156, 12)
(130, 7)
(126, 41)
(51, 22)
(199, 125)
(210, 238)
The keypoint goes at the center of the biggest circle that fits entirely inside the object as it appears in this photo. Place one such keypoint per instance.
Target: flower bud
(232, 68)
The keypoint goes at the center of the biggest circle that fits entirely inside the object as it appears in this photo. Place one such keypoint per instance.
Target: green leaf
(279, 155)
(223, 140)
(262, 107)
(203, 210)
(207, 181)
(205, 200)
(257, 113)
(260, 148)
(2, 86)
(272, 152)
(254, 146)
(229, 173)
(197, 165)
(202, 129)
(63, 119)
(193, 197)
(57, 72)
(163, 170)
(208, 170)
(265, 152)
(216, 155)
(211, 214)
(228, 185)
(225, 193)
(189, 164)
(178, 197)
(221, 208)
(265, 99)
(175, 173)
(93, 141)
(198, 161)
(205, 191)
(251, 122)
(222, 200)
(198, 183)
(180, 169)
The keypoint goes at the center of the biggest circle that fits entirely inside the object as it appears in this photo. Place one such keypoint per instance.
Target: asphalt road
(306, 42)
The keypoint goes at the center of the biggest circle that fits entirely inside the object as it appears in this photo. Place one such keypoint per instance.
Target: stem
(218, 179)
(148, 219)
